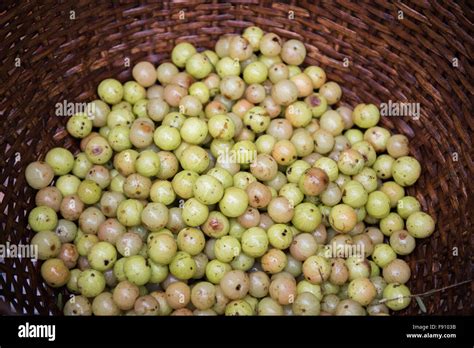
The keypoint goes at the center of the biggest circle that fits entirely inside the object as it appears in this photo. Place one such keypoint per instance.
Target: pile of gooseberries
(228, 182)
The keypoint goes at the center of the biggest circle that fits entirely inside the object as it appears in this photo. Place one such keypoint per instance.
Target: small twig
(427, 292)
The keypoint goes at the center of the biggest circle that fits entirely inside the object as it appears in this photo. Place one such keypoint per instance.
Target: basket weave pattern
(417, 51)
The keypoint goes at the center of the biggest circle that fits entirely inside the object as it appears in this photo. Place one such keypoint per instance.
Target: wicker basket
(378, 51)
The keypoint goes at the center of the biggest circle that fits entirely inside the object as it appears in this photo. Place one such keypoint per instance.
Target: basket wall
(407, 59)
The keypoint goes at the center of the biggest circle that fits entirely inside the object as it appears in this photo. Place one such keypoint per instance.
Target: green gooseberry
(361, 214)
(68, 184)
(129, 212)
(393, 191)
(280, 236)
(378, 138)
(47, 243)
(89, 192)
(244, 152)
(119, 138)
(174, 119)
(200, 91)
(148, 163)
(343, 218)
(122, 105)
(253, 35)
(305, 286)
(407, 206)
(354, 194)
(257, 119)
(383, 166)
(215, 270)
(398, 296)
(295, 170)
(198, 66)
(255, 242)
(167, 138)
(374, 269)
(221, 127)
(264, 144)
(194, 130)
(316, 74)
(195, 158)
(331, 195)
(228, 67)
(194, 212)
(224, 177)
(91, 283)
(42, 218)
(85, 242)
(329, 166)
(79, 125)
(159, 272)
(306, 218)
(39, 174)
(235, 229)
(120, 117)
(242, 262)
(72, 282)
(378, 204)
(191, 240)
(391, 223)
(366, 115)
(350, 162)
(383, 254)
(181, 53)
(332, 122)
(110, 91)
(226, 248)
(136, 270)
(358, 267)
(133, 92)
(234, 202)
(362, 291)
(183, 183)
(208, 190)
(102, 256)
(242, 180)
(61, 160)
(154, 216)
(367, 151)
(140, 108)
(367, 178)
(292, 192)
(98, 150)
(354, 136)
(162, 192)
(406, 170)
(183, 266)
(238, 307)
(299, 114)
(81, 166)
(420, 225)
(162, 249)
(219, 147)
(119, 272)
(318, 104)
(255, 72)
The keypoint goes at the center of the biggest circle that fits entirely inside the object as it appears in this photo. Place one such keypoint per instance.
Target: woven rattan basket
(418, 51)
